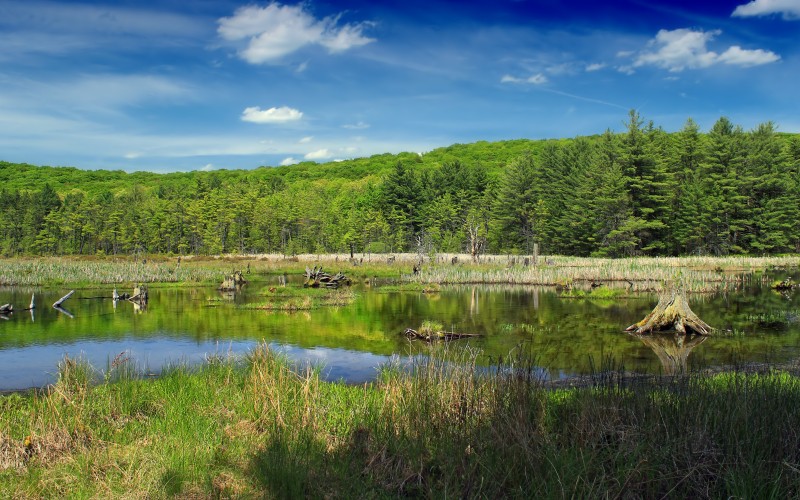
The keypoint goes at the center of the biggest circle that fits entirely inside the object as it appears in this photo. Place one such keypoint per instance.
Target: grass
(293, 298)
(440, 427)
(697, 274)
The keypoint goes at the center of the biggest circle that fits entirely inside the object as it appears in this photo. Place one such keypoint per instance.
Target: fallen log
(671, 314)
(6, 309)
(60, 301)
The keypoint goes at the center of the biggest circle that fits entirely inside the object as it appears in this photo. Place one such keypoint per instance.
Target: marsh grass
(303, 299)
(696, 274)
(443, 426)
(641, 274)
(65, 270)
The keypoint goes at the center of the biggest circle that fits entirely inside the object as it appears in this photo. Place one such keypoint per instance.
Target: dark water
(565, 336)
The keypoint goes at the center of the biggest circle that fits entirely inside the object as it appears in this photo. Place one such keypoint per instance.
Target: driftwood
(671, 314)
(316, 278)
(6, 309)
(431, 336)
(60, 301)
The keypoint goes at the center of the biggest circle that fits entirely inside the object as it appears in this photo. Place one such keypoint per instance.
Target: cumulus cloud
(272, 115)
(320, 154)
(537, 79)
(289, 161)
(208, 167)
(270, 33)
(788, 9)
(306, 140)
(676, 50)
(595, 67)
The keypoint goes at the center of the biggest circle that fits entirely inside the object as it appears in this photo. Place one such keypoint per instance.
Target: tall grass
(57, 270)
(695, 274)
(442, 427)
(639, 274)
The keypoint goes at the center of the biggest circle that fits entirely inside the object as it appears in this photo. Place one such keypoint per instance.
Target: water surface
(565, 336)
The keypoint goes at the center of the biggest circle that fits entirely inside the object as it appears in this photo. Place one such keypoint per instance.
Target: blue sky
(174, 85)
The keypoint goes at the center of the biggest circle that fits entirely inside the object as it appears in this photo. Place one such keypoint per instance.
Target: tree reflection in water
(672, 349)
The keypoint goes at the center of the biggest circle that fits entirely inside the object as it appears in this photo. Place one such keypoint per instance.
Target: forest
(642, 191)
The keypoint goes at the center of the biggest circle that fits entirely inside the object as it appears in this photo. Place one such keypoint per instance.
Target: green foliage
(642, 192)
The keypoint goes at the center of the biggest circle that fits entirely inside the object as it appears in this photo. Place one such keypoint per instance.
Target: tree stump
(671, 314)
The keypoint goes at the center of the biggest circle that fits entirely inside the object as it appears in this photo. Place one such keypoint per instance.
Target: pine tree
(517, 211)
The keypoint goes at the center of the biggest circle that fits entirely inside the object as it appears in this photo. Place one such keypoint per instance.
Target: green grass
(294, 298)
(442, 427)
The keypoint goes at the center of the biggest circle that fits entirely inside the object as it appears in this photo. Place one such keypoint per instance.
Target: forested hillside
(639, 192)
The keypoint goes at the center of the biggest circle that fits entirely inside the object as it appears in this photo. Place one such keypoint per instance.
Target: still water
(565, 336)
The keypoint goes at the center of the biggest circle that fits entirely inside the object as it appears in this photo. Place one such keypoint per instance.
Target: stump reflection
(672, 349)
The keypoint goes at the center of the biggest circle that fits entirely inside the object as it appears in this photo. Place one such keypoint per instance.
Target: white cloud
(306, 140)
(741, 57)
(356, 126)
(788, 9)
(289, 161)
(346, 38)
(595, 67)
(272, 32)
(684, 48)
(320, 154)
(537, 79)
(207, 168)
(272, 115)
(132, 155)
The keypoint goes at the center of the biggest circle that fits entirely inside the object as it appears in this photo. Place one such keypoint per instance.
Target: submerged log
(431, 336)
(671, 314)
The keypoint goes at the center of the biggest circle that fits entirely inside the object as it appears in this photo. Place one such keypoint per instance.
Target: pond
(564, 336)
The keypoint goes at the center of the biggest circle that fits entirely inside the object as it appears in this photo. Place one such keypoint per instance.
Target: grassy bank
(256, 428)
(697, 274)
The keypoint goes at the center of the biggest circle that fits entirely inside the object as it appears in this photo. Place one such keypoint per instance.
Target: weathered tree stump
(671, 314)
(140, 295)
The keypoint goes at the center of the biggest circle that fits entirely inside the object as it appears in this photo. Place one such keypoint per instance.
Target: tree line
(642, 191)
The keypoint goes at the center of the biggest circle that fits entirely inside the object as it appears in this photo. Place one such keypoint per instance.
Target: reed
(436, 426)
(58, 270)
